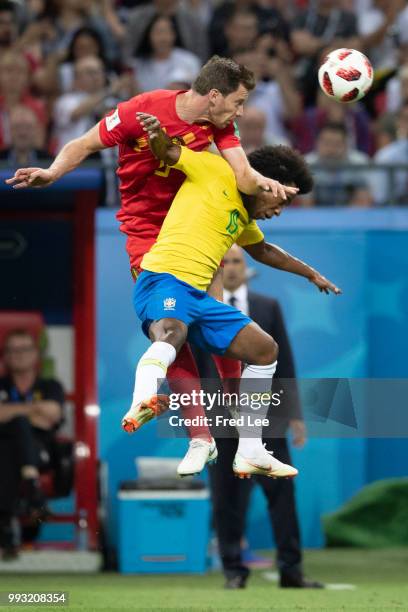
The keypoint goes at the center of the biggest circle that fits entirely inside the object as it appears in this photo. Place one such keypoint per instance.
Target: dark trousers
(20, 444)
(230, 497)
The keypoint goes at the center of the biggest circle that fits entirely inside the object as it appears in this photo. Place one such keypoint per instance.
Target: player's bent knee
(169, 330)
(268, 353)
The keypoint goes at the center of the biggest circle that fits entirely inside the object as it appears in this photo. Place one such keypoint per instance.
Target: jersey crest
(232, 226)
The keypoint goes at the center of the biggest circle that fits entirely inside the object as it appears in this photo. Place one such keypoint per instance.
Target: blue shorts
(212, 325)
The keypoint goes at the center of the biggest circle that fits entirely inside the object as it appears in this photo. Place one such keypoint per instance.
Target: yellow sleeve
(251, 235)
(191, 163)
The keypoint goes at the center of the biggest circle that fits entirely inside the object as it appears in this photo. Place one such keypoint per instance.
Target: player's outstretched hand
(31, 177)
(323, 284)
(150, 124)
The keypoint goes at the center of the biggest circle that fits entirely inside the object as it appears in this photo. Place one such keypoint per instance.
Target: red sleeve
(227, 138)
(121, 125)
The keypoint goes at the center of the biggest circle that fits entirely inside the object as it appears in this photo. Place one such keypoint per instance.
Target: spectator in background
(8, 25)
(397, 90)
(190, 31)
(201, 9)
(59, 70)
(241, 30)
(275, 92)
(378, 26)
(385, 131)
(269, 21)
(391, 187)
(15, 91)
(33, 9)
(76, 112)
(30, 413)
(306, 127)
(26, 140)
(252, 129)
(179, 78)
(334, 185)
(159, 54)
(55, 27)
(322, 27)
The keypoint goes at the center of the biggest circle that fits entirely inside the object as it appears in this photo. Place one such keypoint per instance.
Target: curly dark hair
(284, 165)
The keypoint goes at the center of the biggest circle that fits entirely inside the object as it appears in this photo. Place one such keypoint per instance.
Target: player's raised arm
(69, 158)
(160, 143)
(275, 257)
(250, 181)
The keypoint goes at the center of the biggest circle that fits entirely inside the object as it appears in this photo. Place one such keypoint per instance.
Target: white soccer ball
(346, 75)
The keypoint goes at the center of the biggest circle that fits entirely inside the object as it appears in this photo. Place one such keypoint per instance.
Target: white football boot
(200, 453)
(264, 463)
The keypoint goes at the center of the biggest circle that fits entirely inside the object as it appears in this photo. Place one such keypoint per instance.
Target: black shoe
(236, 582)
(299, 582)
(8, 542)
(33, 502)
(10, 553)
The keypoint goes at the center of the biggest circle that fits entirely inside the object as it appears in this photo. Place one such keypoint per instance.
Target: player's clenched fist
(31, 177)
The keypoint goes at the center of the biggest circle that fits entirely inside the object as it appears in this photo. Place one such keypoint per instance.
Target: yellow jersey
(205, 219)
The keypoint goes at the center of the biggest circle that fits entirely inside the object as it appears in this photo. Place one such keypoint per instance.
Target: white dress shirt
(241, 297)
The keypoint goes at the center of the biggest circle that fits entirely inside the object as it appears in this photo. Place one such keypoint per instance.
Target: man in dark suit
(231, 496)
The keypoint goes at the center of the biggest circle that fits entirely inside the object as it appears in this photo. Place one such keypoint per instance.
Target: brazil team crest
(232, 226)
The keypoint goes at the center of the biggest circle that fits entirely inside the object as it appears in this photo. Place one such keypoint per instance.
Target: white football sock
(255, 380)
(151, 369)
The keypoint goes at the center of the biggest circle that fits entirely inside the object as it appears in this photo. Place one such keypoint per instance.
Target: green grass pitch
(380, 578)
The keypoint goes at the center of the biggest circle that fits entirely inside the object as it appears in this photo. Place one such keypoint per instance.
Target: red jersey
(147, 186)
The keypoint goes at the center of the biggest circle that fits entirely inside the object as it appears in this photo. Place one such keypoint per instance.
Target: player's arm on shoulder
(244, 176)
(160, 143)
(229, 145)
(249, 181)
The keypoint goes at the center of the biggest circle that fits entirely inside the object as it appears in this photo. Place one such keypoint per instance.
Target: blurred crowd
(65, 63)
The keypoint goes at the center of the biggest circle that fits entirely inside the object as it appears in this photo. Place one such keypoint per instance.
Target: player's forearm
(69, 158)
(49, 411)
(11, 411)
(163, 148)
(249, 181)
(275, 257)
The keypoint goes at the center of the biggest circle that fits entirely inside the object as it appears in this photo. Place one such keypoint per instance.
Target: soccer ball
(346, 75)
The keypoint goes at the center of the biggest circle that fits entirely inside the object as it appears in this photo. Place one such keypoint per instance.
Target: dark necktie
(233, 301)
